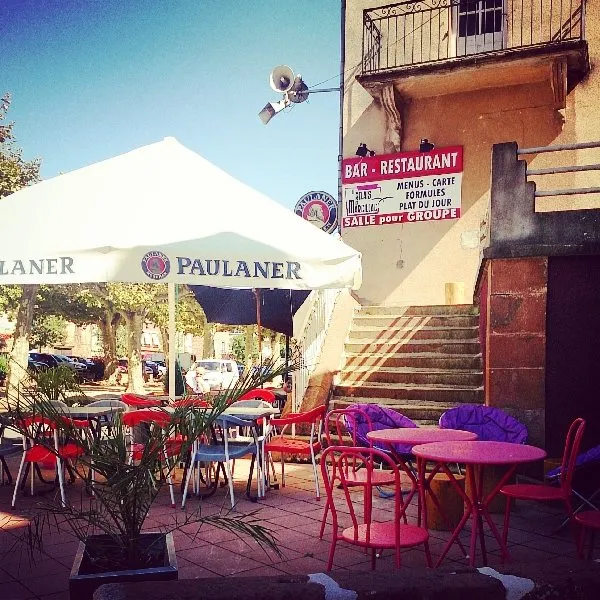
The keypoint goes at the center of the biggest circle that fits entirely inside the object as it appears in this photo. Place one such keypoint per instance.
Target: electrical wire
(386, 47)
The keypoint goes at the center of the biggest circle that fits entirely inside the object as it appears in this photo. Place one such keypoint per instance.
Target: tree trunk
(20, 350)
(108, 326)
(208, 346)
(135, 381)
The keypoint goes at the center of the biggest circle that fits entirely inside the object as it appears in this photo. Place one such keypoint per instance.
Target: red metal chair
(288, 444)
(260, 394)
(341, 429)
(365, 531)
(545, 492)
(171, 446)
(38, 449)
(135, 401)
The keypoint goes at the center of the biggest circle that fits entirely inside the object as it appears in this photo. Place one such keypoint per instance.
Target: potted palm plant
(109, 519)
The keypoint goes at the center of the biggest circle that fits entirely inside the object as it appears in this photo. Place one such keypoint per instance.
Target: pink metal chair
(364, 531)
(341, 429)
(545, 492)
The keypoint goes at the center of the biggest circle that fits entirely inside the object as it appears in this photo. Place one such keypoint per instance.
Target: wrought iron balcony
(424, 32)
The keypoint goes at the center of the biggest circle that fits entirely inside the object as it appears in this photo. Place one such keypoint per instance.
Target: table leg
(468, 510)
(484, 510)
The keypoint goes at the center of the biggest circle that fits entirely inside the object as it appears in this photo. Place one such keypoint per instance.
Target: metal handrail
(563, 169)
(417, 32)
(310, 341)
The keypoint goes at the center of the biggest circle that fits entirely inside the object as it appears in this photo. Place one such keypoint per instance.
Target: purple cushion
(585, 458)
(381, 418)
(489, 423)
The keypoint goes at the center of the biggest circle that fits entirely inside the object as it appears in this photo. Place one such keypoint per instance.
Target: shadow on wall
(476, 121)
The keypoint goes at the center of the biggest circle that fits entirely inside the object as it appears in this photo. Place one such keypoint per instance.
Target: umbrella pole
(172, 347)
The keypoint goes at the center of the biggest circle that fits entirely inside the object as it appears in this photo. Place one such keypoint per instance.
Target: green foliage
(57, 384)
(238, 348)
(47, 330)
(73, 302)
(3, 365)
(9, 299)
(123, 491)
(15, 172)
(189, 317)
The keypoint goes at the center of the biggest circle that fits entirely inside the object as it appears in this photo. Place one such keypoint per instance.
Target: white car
(218, 374)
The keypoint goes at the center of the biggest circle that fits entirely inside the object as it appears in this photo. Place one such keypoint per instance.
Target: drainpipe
(341, 132)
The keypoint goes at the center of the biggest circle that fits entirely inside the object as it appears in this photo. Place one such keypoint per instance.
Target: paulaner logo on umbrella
(156, 265)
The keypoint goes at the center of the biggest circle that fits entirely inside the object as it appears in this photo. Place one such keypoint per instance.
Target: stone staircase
(418, 360)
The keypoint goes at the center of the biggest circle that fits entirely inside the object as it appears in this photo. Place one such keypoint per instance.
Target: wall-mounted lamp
(362, 150)
(426, 145)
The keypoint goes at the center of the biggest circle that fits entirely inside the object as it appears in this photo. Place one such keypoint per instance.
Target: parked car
(218, 374)
(162, 367)
(155, 369)
(123, 366)
(54, 360)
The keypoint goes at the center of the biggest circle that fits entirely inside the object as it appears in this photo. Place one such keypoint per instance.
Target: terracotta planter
(84, 580)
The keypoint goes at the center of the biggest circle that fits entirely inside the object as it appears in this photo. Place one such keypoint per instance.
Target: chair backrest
(257, 403)
(261, 394)
(190, 402)
(489, 423)
(380, 417)
(112, 403)
(572, 444)
(139, 401)
(342, 425)
(136, 417)
(336, 463)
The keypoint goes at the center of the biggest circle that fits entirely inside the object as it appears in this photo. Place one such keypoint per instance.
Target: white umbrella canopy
(163, 213)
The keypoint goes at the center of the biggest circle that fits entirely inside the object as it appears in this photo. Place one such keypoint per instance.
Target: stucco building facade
(476, 75)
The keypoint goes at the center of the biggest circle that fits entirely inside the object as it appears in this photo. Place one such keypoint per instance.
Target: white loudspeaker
(299, 91)
(282, 79)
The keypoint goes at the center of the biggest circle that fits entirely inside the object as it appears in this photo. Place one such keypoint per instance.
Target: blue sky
(91, 79)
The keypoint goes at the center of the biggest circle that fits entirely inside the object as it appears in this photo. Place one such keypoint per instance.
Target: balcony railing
(427, 31)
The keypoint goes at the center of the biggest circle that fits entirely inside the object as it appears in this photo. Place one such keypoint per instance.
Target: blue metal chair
(224, 450)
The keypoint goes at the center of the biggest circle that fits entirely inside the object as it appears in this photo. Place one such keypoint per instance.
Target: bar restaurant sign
(407, 187)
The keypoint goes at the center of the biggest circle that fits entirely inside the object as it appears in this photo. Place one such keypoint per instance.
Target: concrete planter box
(83, 583)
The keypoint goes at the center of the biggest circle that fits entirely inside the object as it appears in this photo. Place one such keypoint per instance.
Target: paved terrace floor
(293, 515)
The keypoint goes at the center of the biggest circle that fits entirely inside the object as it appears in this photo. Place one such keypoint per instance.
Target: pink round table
(419, 435)
(413, 436)
(475, 454)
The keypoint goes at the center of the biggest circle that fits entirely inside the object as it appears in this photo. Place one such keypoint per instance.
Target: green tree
(15, 173)
(189, 316)
(133, 301)
(47, 330)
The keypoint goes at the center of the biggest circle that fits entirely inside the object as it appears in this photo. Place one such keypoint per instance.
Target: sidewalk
(294, 516)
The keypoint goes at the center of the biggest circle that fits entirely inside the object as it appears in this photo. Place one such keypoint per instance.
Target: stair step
(433, 360)
(443, 393)
(364, 374)
(417, 410)
(391, 333)
(400, 346)
(409, 311)
(368, 320)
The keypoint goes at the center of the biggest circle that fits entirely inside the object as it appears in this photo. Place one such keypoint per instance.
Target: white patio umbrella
(163, 213)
